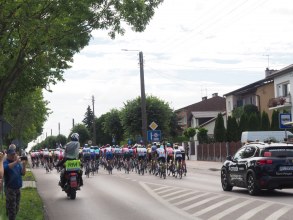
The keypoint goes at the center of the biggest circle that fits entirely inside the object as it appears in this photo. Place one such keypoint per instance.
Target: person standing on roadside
(187, 151)
(1, 170)
(14, 169)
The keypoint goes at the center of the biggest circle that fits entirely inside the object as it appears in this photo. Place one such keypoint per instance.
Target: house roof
(215, 103)
(269, 79)
(251, 87)
(286, 69)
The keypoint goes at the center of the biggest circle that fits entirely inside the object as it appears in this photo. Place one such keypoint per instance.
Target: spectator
(14, 168)
(187, 151)
(1, 170)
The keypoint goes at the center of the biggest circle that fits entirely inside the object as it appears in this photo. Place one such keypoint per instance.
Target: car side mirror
(229, 158)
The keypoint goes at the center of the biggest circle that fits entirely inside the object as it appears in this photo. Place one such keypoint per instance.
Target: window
(284, 89)
(239, 154)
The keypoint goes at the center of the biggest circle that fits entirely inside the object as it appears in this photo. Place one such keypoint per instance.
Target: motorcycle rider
(71, 153)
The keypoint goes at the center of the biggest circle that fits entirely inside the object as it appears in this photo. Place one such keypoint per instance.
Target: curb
(26, 184)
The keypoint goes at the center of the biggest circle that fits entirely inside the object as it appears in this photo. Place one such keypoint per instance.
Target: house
(283, 82)
(258, 93)
(202, 113)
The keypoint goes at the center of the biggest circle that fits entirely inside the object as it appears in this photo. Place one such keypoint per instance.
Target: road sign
(153, 125)
(154, 135)
(284, 118)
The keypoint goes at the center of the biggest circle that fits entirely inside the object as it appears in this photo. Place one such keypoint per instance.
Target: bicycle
(179, 170)
(162, 170)
(87, 169)
(93, 168)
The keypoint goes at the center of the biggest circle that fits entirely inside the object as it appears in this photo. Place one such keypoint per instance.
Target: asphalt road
(129, 196)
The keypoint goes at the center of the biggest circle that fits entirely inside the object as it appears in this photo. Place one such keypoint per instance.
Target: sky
(191, 49)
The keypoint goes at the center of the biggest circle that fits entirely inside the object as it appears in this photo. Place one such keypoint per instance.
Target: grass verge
(31, 206)
(29, 176)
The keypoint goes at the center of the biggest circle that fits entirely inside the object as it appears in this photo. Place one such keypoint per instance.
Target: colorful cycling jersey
(93, 154)
(161, 152)
(109, 153)
(170, 151)
(86, 152)
(154, 148)
(141, 152)
(46, 153)
(125, 150)
(177, 153)
(97, 151)
(131, 152)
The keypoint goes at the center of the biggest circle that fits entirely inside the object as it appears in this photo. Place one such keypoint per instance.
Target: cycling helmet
(168, 145)
(74, 137)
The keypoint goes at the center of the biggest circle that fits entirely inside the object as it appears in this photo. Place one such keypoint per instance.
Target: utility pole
(94, 126)
(143, 100)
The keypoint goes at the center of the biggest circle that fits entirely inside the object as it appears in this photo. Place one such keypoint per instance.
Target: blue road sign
(154, 135)
(284, 118)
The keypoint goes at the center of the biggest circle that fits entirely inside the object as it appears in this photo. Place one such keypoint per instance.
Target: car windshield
(277, 152)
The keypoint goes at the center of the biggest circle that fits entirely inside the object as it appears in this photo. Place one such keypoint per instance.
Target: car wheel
(252, 186)
(224, 180)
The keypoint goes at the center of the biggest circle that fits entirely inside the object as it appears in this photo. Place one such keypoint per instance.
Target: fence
(217, 151)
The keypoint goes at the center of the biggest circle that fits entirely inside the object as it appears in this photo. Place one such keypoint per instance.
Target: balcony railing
(279, 101)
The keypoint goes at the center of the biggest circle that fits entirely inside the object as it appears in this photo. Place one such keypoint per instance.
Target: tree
(232, 130)
(275, 121)
(219, 130)
(253, 122)
(39, 38)
(265, 122)
(250, 109)
(89, 119)
(157, 111)
(102, 137)
(26, 114)
(189, 132)
(84, 134)
(202, 135)
(112, 125)
(243, 124)
(237, 113)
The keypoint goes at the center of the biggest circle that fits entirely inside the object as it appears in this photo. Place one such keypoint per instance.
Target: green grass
(31, 206)
(29, 176)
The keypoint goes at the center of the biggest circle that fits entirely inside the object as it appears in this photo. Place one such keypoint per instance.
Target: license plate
(73, 178)
(286, 168)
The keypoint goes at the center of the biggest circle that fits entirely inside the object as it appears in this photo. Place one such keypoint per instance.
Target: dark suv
(258, 166)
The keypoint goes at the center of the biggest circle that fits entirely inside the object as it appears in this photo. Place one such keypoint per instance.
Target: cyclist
(177, 156)
(161, 155)
(46, 159)
(170, 158)
(141, 153)
(86, 157)
(126, 157)
(109, 158)
(181, 148)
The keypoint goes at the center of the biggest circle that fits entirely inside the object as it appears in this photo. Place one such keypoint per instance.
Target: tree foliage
(88, 119)
(219, 130)
(26, 114)
(112, 125)
(157, 111)
(202, 135)
(265, 122)
(102, 137)
(39, 38)
(275, 121)
(189, 132)
(232, 129)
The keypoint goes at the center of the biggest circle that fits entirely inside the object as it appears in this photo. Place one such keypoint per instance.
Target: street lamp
(143, 99)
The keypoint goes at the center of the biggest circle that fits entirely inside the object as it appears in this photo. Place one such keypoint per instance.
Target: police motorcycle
(72, 173)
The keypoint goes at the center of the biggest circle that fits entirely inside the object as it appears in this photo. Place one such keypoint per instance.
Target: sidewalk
(204, 165)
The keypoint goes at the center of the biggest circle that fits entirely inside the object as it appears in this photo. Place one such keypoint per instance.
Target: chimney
(204, 98)
(269, 72)
(215, 94)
